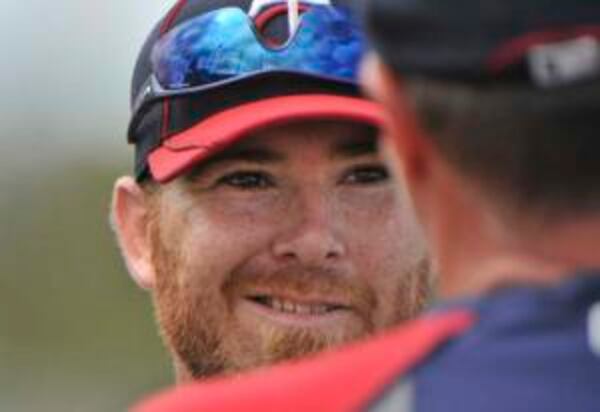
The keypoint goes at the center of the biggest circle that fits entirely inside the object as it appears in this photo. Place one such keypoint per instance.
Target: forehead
(335, 137)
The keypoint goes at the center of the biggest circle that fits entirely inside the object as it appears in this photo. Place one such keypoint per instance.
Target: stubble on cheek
(414, 293)
(186, 321)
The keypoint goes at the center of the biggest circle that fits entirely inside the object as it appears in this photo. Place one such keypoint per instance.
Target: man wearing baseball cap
(494, 113)
(260, 215)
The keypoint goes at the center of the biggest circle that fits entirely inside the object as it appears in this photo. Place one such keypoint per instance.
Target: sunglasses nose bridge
(278, 24)
(293, 16)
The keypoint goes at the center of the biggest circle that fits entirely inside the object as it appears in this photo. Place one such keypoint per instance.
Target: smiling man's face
(290, 242)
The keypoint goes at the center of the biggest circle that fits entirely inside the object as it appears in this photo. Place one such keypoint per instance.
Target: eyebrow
(355, 147)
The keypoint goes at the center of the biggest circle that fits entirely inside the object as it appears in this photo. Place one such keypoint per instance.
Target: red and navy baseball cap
(213, 71)
(543, 43)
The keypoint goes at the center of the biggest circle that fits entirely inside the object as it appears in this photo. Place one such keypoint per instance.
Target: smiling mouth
(292, 307)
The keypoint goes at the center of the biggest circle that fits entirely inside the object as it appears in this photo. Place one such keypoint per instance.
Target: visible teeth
(278, 304)
(303, 309)
(318, 309)
(287, 306)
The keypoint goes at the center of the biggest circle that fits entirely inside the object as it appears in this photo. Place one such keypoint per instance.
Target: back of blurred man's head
(494, 109)
(537, 150)
(508, 92)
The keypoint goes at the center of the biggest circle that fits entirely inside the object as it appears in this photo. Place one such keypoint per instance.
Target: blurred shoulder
(342, 380)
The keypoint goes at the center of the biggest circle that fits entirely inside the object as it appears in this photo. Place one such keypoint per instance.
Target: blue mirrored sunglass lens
(223, 44)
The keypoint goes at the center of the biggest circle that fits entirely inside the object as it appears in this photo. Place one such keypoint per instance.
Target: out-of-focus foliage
(76, 334)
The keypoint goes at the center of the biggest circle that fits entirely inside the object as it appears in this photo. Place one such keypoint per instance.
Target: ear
(406, 143)
(130, 219)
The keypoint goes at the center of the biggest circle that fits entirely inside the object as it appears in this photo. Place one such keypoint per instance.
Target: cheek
(243, 225)
(384, 237)
(382, 220)
(214, 238)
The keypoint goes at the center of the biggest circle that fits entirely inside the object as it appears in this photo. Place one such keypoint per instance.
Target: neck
(477, 252)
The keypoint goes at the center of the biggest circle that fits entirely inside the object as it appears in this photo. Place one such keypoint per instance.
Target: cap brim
(179, 153)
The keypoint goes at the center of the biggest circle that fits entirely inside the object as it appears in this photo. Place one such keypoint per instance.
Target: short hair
(539, 149)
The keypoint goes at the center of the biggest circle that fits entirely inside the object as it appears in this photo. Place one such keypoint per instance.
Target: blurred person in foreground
(494, 119)
(260, 215)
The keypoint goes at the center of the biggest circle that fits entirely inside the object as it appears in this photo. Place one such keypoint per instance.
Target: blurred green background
(75, 332)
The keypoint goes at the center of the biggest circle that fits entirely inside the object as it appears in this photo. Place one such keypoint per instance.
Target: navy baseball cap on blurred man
(214, 70)
(542, 42)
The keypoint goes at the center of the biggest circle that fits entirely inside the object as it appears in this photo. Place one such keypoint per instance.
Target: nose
(310, 236)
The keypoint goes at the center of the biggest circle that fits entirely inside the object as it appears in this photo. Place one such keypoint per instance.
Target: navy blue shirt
(531, 349)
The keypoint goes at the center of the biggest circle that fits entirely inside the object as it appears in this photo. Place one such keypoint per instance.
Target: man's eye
(246, 180)
(367, 175)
